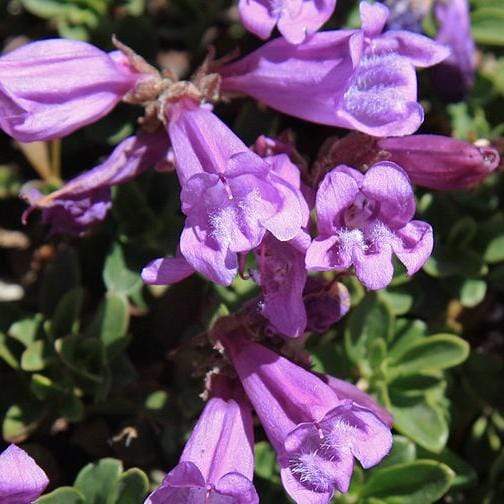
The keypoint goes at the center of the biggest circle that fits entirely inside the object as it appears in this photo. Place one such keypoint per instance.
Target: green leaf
(59, 277)
(465, 475)
(407, 332)
(21, 420)
(420, 482)
(472, 292)
(414, 385)
(446, 263)
(265, 462)
(156, 401)
(110, 325)
(494, 251)
(37, 356)
(371, 320)
(487, 25)
(72, 408)
(25, 330)
(67, 312)
(6, 353)
(133, 485)
(63, 495)
(43, 387)
(420, 420)
(118, 277)
(98, 482)
(403, 451)
(398, 298)
(440, 351)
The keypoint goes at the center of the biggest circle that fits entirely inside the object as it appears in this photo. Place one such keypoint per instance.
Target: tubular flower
(296, 19)
(48, 89)
(357, 79)
(217, 464)
(363, 219)
(230, 196)
(439, 162)
(315, 434)
(282, 277)
(86, 199)
(21, 479)
(454, 77)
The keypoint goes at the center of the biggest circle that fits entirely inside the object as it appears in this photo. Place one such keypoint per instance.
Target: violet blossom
(439, 162)
(315, 433)
(217, 464)
(22, 481)
(50, 88)
(454, 77)
(296, 19)
(281, 273)
(86, 199)
(230, 196)
(357, 79)
(363, 219)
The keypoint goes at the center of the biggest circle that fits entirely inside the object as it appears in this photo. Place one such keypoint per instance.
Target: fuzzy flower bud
(439, 162)
(86, 199)
(48, 89)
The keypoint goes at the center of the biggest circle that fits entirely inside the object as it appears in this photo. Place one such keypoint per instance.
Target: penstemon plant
(287, 254)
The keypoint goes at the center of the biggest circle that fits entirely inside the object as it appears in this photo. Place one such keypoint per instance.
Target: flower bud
(439, 162)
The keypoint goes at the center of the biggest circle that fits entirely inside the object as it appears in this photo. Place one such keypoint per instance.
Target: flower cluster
(261, 212)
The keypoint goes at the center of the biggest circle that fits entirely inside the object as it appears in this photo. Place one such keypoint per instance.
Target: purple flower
(325, 303)
(21, 479)
(230, 196)
(455, 76)
(363, 219)
(315, 434)
(86, 199)
(217, 464)
(346, 390)
(282, 276)
(358, 79)
(296, 19)
(439, 162)
(48, 89)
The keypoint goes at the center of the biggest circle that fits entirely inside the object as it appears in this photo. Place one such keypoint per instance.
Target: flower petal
(21, 479)
(389, 185)
(414, 246)
(257, 18)
(336, 193)
(349, 424)
(421, 51)
(306, 20)
(167, 270)
(207, 257)
(237, 486)
(373, 18)
(374, 268)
